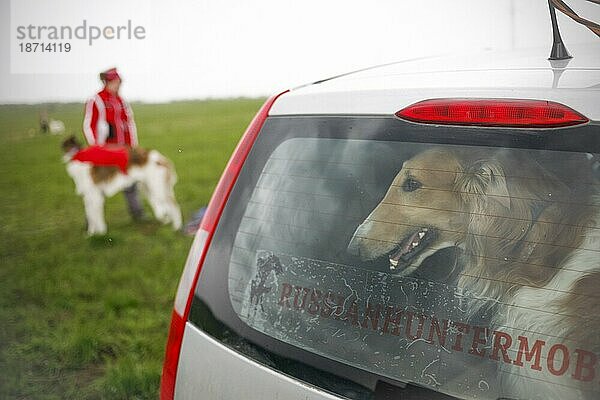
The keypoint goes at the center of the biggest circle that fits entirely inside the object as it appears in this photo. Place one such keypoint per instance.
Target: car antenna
(559, 50)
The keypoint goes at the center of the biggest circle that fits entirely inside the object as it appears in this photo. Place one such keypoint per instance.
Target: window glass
(473, 271)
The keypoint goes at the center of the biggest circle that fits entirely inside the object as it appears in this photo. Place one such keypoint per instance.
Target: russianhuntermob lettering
(478, 341)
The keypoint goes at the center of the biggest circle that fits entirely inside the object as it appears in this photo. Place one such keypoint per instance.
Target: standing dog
(530, 251)
(153, 171)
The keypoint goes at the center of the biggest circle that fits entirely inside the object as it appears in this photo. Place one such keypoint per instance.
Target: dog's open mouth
(411, 247)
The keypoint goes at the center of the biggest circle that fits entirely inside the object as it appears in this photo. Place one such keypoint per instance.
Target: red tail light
(169, 372)
(191, 271)
(492, 112)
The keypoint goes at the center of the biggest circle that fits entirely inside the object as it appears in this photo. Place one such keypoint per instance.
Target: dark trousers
(136, 210)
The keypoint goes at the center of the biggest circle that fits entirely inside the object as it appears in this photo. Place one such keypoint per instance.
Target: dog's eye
(410, 185)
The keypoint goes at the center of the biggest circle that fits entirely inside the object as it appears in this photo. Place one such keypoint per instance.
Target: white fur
(534, 310)
(156, 179)
(531, 312)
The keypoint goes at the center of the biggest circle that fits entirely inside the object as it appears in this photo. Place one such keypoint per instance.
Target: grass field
(87, 318)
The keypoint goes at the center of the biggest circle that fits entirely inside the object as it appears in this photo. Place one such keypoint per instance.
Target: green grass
(87, 318)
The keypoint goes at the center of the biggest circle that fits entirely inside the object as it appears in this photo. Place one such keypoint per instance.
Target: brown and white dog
(530, 243)
(154, 173)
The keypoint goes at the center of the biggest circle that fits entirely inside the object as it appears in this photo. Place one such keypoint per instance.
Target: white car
(421, 230)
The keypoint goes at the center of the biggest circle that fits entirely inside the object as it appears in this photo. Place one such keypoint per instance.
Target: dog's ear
(485, 178)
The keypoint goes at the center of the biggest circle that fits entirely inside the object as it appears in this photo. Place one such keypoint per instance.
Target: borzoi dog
(151, 170)
(530, 245)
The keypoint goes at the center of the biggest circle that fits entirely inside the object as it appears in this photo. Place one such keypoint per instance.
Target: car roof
(388, 88)
(587, 57)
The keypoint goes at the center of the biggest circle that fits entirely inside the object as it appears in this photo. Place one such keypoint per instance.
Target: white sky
(227, 48)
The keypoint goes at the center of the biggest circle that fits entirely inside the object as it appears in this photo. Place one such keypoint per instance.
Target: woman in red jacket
(109, 119)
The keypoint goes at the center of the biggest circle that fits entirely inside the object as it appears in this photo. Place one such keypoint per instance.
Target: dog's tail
(70, 146)
(70, 143)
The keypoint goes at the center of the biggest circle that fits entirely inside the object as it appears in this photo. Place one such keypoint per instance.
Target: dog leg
(158, 204)
(156, 180)
(160, 195)
(94, 212)
(173, 208)
(175, 214)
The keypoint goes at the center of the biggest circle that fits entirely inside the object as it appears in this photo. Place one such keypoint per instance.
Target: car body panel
(389, 88)
(210, 370)
(221, 373)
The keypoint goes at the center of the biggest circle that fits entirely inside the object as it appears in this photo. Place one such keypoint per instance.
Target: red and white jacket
(109, 119)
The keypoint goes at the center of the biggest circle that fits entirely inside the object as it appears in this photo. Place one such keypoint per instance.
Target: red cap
(109, 75)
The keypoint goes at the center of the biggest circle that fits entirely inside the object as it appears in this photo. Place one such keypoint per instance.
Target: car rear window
(467, 269)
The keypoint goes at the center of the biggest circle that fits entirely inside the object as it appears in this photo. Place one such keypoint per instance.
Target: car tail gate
(356, 252)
